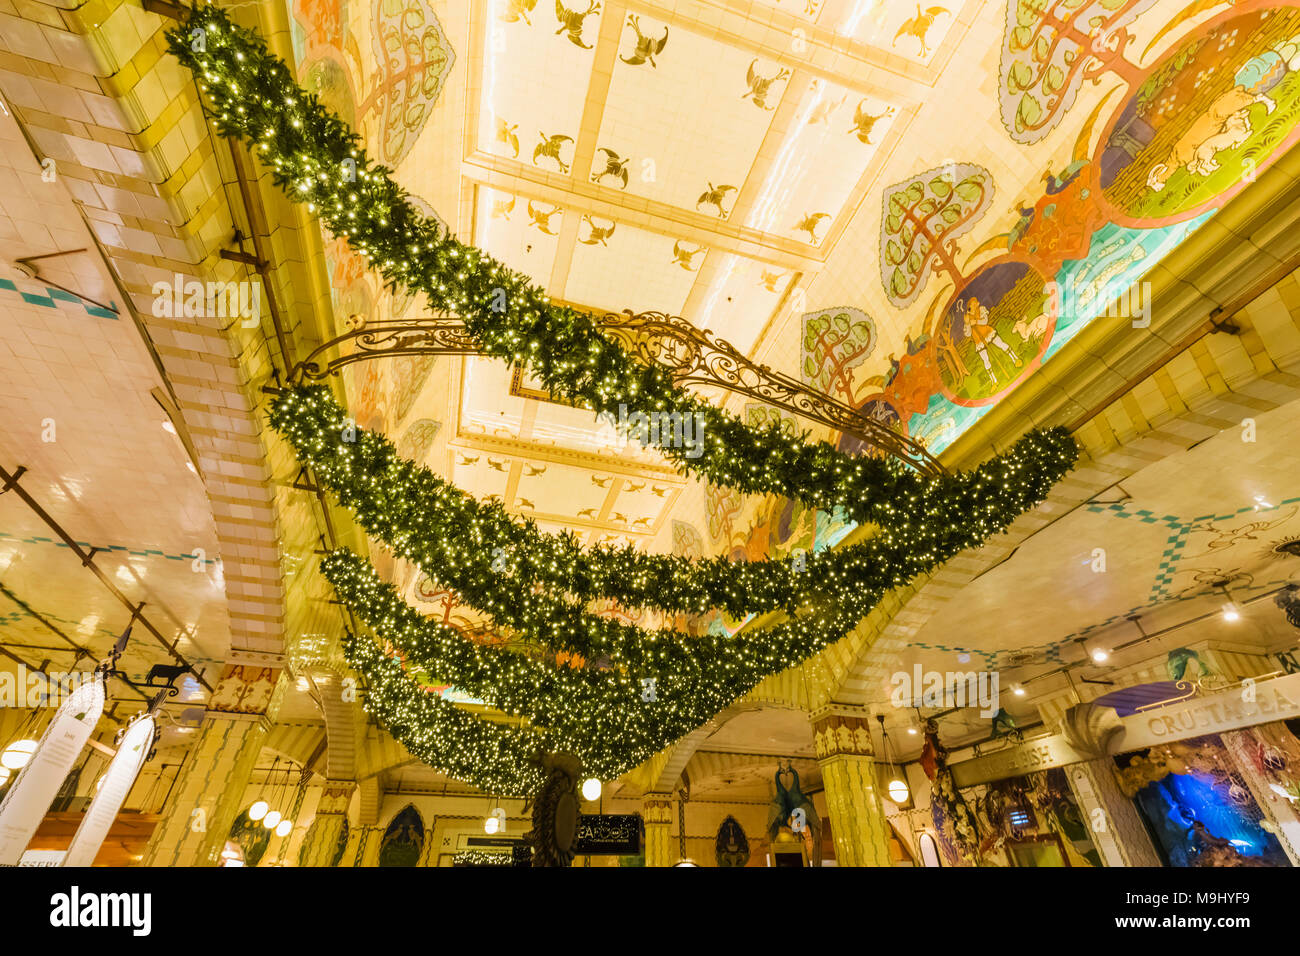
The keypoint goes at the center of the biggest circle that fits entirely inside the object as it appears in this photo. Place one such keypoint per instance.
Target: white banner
(116, 783)
(30, 796)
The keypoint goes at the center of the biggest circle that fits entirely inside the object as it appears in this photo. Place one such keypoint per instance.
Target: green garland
(254, 97)
(596, 710)
(474, 547)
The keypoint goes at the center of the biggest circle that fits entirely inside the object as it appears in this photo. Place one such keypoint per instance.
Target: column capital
(335, 796)
(657, 808)
(842, 730)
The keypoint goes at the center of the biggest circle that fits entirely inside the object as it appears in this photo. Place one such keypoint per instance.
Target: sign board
(1233, 709)
(42, 858)
(114, 786)
(608, 834)
(38, 783)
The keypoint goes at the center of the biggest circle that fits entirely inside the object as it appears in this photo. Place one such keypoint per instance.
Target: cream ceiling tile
(740, 300)
(688, 123)
(523, 233)
(634, 269)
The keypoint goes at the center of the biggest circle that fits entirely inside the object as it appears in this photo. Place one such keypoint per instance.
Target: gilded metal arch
(693, 356)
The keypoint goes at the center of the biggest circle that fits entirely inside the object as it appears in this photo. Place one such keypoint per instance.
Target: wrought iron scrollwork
(693, 356)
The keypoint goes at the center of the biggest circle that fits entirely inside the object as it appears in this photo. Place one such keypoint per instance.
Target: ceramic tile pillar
(842, 736)
(1115, 825)
(322, 840)
(660, 847)
(205, 800)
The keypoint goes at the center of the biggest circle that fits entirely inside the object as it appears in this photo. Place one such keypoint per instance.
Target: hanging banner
(116, 783)
(38, 783)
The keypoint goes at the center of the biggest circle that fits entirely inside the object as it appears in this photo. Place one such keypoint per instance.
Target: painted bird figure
(519, 10)
(598, 234)
(918, 26)
(542, 220)
(864, 122)
(550, 147)
(501, 208)
(715, 196)
(760, 86)
(506, 135)
(571, 21)
(1069, 174)
(647, 48)
(615, 166)
(684, 257)
(809, 224)
(770, 279)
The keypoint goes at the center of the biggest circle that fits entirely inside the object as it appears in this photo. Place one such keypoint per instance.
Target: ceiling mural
(735, 172)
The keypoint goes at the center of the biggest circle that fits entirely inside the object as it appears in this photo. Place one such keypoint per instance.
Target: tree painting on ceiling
(834, 342)
(922, 216)
(1163, 147)
(416, 58)
(1049, 48)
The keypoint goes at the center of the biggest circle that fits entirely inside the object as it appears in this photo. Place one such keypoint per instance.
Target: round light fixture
(1100, 656)
(1230, 612)
(591, 789)
(686, 862)
(897, 790)
(258, 810)
(1018, 691)
(17, 754)
(4, 775)
(284, 828)
(271, 819)
(491, 825)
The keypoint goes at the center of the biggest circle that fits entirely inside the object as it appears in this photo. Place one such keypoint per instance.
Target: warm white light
(1018, 691)
(1099, 656)
(258, 810)
(491, 825)
(284, 828)
(591, 789)
(4, 775)
(17, 754)
(1230, 612)
(169, 427)
(897, 790)
(912, 731)
(271, 819)
(686, 862)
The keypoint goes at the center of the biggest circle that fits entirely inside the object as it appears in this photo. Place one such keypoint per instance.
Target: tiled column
(845, 755)
(205, 799)
(322, 840)
(657, 812)
(1113, 820)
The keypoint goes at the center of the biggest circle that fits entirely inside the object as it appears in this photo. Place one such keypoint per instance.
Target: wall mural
(1154, 160)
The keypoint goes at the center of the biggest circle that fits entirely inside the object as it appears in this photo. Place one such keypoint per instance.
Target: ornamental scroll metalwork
(693, 356)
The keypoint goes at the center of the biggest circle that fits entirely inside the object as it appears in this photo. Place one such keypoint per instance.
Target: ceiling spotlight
(1099, 655)
(17, 754)
(591, 789)
(1018, 691)
(1230, 612)
(912, 731)
(169, 428)
(258, 810)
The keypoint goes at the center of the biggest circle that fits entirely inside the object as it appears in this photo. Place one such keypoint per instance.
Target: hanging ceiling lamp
(17, 754)
(896, 787)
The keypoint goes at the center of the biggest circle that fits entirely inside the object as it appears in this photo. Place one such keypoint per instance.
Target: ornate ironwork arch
(693, 356)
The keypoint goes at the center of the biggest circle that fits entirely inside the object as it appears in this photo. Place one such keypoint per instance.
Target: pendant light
(896, 787)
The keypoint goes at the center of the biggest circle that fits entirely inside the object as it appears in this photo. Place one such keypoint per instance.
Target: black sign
(611, 834)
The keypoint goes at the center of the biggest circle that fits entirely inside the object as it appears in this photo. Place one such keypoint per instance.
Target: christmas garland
(318, 160)
(475, 547)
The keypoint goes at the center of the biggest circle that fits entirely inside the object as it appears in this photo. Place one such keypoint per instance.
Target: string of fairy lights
(568, 679)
